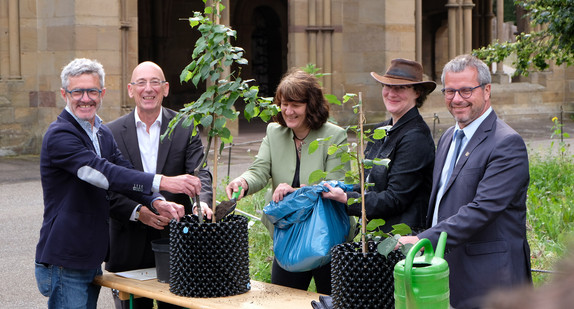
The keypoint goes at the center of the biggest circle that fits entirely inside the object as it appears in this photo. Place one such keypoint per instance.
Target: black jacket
(401, 192)
(178, 154)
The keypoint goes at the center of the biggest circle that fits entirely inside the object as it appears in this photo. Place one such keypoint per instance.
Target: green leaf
(386, 246)
(316, 176)
(380, 133)
(206, 121)
(313, 146)
(195, 80)
(375, 224)
(348, 96)
(332, 149)
(401, 229)
(368, 163)
(353, 200)
(332, 99)
(193, 21)
(406, 248)
(379, 161)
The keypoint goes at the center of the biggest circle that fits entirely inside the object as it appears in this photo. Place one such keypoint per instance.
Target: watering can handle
(428, 255)
(440, 246)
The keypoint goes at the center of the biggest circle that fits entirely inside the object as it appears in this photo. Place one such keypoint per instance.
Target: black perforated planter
(209, 259)
(362, 280)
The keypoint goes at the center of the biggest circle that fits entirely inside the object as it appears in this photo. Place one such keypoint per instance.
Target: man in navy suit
(133, 225)
(80, 165)
(481, 200)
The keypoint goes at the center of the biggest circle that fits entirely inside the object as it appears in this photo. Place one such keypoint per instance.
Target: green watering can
(422, 282)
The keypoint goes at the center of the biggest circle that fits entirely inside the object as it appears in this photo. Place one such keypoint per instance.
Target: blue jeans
(68, 288)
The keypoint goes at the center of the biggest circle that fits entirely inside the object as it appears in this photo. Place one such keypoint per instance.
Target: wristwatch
(137, 216)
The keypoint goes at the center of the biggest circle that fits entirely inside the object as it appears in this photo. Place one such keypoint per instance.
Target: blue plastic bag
(307, 227)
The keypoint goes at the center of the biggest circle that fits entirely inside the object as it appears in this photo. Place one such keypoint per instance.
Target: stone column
(14, 39)
(452, 7)
(419, 31)
(125, 28)
(327, 46)
(467, 27)
(499, 29)
(312, 35)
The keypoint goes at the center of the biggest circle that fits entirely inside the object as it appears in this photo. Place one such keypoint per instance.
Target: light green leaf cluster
(536, 50)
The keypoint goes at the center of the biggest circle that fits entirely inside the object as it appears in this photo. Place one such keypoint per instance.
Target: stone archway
(261, 27)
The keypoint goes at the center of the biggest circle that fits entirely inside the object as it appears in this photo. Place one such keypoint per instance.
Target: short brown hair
(423, 93)
(299, 86)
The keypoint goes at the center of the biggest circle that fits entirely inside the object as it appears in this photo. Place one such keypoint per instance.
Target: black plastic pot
(160, 248)
(362, 280)
(209, 259)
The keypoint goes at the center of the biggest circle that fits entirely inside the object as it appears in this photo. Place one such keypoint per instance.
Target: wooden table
(261, 295)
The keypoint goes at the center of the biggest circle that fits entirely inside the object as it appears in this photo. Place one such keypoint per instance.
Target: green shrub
(550, 214)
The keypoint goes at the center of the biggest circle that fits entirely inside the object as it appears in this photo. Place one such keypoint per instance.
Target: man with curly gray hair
(80, 164)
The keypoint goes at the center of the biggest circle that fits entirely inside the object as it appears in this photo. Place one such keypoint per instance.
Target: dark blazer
(75, 183)
(181, 153)
(483, 211)
(400, 193)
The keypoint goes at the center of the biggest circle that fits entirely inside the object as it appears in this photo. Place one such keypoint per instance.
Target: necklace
(300, 139)
(298, 147)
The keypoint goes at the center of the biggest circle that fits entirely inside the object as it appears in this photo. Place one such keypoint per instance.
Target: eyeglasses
(465, 92)
(396, 88)
(153, 83)
(78, 94)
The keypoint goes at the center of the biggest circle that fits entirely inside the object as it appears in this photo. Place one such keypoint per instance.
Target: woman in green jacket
(284, 158)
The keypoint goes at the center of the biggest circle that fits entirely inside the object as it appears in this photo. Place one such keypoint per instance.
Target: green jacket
(277, 158)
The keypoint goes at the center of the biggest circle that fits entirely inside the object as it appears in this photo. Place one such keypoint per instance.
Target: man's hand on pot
(186, 184)
(147, 217)
(406, 240)
(170, 210)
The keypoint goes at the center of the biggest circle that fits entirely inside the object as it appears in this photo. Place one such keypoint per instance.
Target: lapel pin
(467, 154)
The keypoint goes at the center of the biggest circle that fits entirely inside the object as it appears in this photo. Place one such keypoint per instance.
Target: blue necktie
(458, 136)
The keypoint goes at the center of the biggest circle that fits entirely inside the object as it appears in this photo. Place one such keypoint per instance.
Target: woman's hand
(336, 194)
(280, 192)
(234, 185)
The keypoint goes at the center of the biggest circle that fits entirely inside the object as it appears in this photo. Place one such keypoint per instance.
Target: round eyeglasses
(153, 83)
(465, 92)
(78, 94)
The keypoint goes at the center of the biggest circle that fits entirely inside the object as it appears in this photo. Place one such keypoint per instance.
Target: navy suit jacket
(483, 211)
(75, 183)
(180, 153)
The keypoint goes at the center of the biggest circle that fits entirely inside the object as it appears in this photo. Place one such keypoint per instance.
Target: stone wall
(357, 37)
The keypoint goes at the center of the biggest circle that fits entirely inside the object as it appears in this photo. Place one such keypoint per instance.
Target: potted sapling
(211, 258)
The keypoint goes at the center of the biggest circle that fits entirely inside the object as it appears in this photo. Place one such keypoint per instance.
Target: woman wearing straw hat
(401, 191)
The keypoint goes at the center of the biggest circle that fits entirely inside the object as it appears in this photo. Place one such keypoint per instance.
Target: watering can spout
(439, 252)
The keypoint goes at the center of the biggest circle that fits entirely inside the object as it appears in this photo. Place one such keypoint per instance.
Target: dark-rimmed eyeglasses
(153, 83)
(465, 92)
(78, 94)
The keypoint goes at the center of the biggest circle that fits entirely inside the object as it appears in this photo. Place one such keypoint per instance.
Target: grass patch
(550, 211)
